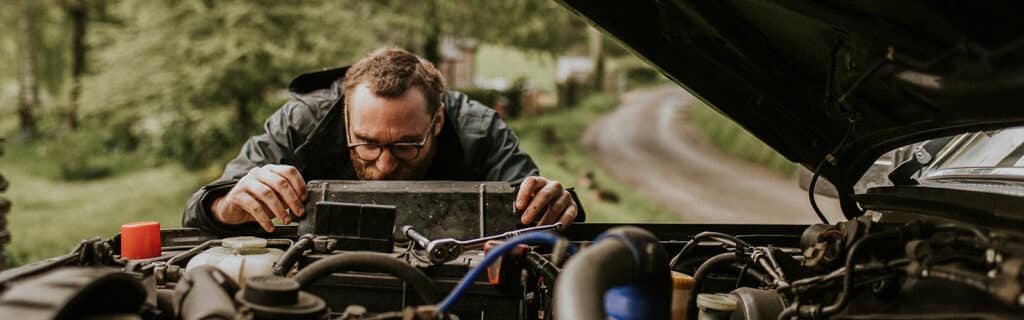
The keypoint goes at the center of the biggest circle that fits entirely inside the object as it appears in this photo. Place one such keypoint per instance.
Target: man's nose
(387, 162)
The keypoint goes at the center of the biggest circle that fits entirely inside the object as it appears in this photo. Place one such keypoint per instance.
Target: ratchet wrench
(443, 250)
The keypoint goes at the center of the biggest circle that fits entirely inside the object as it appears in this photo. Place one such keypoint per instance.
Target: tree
(78, 13)
(28, 93)
(188, 78)
(535, 25)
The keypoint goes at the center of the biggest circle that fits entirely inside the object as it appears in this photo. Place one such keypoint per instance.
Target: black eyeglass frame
(380, 146)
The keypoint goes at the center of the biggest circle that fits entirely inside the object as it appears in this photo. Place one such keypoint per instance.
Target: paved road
(647, 143)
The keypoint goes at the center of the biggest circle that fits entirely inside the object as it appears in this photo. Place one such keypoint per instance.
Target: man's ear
(440, 120)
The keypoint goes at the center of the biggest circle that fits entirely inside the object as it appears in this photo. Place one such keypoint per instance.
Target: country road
(647, 143)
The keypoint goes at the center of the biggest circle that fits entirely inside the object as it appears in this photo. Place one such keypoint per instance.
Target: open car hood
(797, 73)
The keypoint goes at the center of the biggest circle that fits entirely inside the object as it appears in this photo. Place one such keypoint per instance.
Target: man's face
(381, 120)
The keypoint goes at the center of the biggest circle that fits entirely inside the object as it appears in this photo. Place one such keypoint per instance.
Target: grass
(565, 159)
(49, 216)
(733, 139)
(497, 61)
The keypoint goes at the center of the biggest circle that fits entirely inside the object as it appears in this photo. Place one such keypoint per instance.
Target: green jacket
(308, 133)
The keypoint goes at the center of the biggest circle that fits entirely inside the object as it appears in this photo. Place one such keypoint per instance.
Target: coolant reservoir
(239, 257)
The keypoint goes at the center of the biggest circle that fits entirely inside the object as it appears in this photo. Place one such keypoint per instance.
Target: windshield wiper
(923, 156)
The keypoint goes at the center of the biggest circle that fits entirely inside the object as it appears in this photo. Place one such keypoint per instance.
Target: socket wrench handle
(414, 235)
(479, 242)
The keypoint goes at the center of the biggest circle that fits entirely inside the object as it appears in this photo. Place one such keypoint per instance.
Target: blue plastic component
(549, 238)
(631, 302)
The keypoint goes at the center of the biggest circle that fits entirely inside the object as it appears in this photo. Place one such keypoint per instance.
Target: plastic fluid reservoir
(681, 285)
(239, 257)
(717, 306)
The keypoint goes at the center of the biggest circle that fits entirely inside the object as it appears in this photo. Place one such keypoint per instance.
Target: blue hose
(531, 238)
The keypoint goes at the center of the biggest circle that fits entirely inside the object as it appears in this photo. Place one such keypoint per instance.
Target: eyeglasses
(404, 151)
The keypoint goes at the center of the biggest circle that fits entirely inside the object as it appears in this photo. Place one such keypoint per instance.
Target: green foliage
(187, 81)
(485, 96)
(75, 160)
(184, 78)
(535, 25)
(734, 140)
(50, 216)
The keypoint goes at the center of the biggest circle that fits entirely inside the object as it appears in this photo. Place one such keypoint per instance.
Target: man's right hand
(261, 195)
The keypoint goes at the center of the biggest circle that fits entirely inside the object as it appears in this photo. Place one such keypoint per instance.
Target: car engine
(356, 259)
(873, 267)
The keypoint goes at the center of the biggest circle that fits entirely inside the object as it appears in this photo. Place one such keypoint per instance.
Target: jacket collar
(318, 86)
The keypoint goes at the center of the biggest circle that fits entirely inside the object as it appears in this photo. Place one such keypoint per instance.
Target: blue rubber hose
(549, 238)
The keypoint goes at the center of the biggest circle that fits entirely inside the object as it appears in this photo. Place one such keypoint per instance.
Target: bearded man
(387, 117)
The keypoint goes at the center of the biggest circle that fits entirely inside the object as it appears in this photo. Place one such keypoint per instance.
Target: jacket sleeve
(503, 161)
(285, 130)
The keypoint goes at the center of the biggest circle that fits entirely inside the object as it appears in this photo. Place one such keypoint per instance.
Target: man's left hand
(545, 202)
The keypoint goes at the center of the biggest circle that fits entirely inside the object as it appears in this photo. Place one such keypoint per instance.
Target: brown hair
(390, 72)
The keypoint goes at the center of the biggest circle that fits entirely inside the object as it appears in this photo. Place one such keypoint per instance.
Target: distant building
(458, 58)
(575, 68)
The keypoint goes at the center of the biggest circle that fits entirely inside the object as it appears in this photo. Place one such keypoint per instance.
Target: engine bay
(891, 265)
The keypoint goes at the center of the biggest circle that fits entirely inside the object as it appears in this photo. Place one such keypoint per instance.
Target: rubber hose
(698, 280)
(756, 274)
(202, 295)
(580, 287)
(373, 262)
(290, 257)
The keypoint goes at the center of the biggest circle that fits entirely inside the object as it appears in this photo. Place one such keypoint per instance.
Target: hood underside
(798, 73)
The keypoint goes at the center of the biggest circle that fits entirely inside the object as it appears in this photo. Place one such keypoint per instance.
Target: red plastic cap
(140, 240)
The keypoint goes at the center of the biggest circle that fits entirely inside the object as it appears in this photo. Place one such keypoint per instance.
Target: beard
(405, 170)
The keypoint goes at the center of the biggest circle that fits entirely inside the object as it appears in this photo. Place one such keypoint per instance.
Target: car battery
(438, 209)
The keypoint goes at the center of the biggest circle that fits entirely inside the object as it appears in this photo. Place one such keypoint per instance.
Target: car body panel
(797, 74)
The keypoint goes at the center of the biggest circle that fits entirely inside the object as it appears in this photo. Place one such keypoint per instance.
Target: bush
(485, 96)
(79, 157)
(197, 144)
(509, 103)
(639, 76)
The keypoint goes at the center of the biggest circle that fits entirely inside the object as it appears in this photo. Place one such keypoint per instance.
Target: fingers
(264, 194)
(569, 215)
(555, 210)
(529, 186)
(268, 198)
(283, 190)
(294, 178)
(255, 210)
(542, 200)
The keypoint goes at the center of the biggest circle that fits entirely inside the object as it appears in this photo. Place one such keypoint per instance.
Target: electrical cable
(549, 238)
(853, 123)
(739, 278)
(729, 240)
(698, 280)
(821, 165)
(959, 227)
